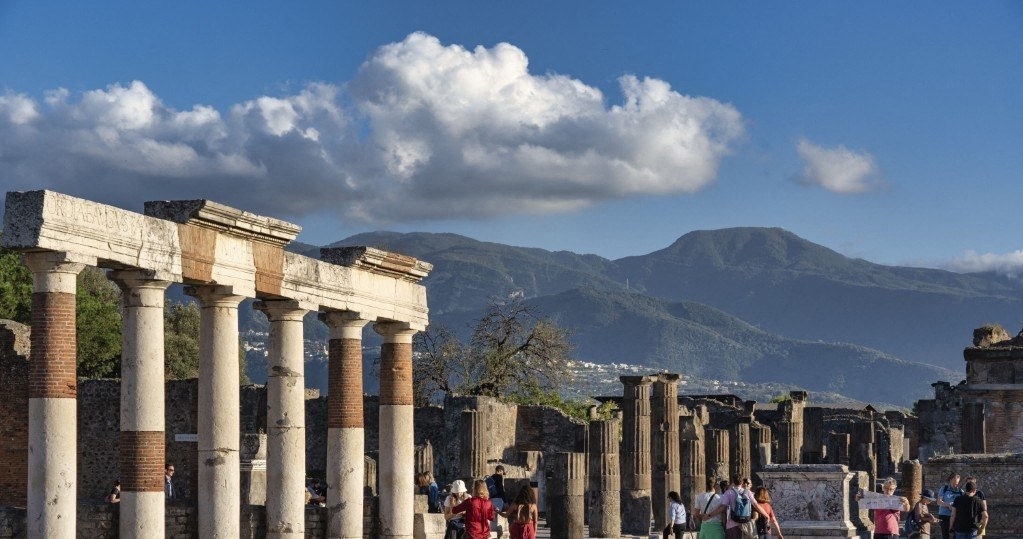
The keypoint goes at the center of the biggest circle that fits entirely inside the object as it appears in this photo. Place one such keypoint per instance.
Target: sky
(886, 131)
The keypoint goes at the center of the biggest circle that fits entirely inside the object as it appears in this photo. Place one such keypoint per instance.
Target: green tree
(181, 342)
(98, 325)
(15, 288)
(511, 351)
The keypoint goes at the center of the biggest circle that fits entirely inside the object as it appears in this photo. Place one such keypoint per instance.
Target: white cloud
(839, 170)
(1010, 264)
(422, 131)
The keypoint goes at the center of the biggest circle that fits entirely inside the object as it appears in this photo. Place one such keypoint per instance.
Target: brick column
(397, 445)
(636, 485)
(219, 485)
(664, 452)
(346, 432)
(285, 420)
(52, 398)
(142, 443)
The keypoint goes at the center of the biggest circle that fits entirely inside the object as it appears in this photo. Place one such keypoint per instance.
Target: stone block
(428, 526)
(811, 500)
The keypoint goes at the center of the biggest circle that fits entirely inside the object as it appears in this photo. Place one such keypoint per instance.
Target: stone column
(52, 398)
(565, 488)
(346, 434)
(790, 437)
(370, 481)
(219, 484)
(861, 450)
(912, 481)
(717, 454)
(424, 458)
(636, 485)
(142, 441)
(739, 447)
(472, 452)
(973, 428)
(693, 460)
(397, 445)
(760, 447)
(285, 420)
(664, 453)
(813, 435)
(604, 479)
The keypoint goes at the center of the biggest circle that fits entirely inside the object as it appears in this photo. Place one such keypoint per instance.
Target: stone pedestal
(428, 526)
(664, 452)
(565, 487)
(636, 484)
(253, 468)
(811, 501)
(604, 479)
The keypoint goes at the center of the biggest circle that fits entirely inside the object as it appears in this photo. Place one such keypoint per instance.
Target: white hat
(458, 487)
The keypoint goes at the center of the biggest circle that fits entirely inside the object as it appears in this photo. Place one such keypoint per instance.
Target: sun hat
(927, 493)
(458, 487)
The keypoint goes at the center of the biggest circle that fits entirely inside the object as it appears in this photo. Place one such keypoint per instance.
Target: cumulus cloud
(1010, 264)
(422, 131)
(839, 169)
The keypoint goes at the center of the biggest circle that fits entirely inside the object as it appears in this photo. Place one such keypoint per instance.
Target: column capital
(395, 332)
(214, 295)
(281, 310)
(56, 271)
(140, 288)
(636, 380)
(344, 324)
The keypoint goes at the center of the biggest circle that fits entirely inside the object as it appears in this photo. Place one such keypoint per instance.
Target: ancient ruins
(242, 454)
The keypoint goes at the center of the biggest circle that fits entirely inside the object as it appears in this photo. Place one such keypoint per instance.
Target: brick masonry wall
(999, 476)
(1003, 418)
(13, 413)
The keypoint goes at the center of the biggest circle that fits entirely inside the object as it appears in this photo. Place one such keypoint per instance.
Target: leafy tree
(98, 325)
(15, 288)
(181, 342)
(511, 351)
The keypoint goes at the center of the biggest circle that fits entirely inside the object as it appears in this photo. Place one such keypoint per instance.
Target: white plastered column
(52, 404)
(285, 420)
(346, 433)
(142, 404)
(397, 441)
(219, 485)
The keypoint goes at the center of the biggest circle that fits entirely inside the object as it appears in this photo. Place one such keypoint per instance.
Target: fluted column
(565, 492)
(346, 430)
(424, 458)
(142, 439)
(664, 451)
(790, 436)
(52, 397)
(739, 448)
(472, 428)
(219, 423)
(717, 454)
(760, 446)
(636, 507)
(605, 479)
(693, 460)
(397, 444)
(285, 420)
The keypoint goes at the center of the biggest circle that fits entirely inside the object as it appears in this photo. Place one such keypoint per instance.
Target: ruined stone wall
(500, 436)
(13, 413)
(940, 422)
(999, 476)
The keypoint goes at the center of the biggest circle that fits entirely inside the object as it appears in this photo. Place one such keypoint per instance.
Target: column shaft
(219, 436)
(717, 454)
(52, 394)
(346, 433)
(635, 499)
(397, 443)
(739, 446)
(604, 479)
(142, 442)
(472, 462)
(664, 451)
(285, 420)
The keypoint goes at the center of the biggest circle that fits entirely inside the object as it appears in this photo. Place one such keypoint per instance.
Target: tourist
(523, 514)
(733, 529)
(946, 495)
(168, 484)
(455, 520)
(478, 511)
(432, 493)
(764, 522)
(317, 495)
(498, 479)
(980, 496)
(969, 514)
(710, 527)
(676, 516)
(886, 521)
(115, 493)
(923, 516)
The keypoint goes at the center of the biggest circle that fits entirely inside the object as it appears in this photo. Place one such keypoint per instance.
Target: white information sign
(875, 500)
(186, 438)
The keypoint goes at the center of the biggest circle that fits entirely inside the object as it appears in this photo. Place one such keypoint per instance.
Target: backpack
(741, 511)
(491, 487)
(912, 524)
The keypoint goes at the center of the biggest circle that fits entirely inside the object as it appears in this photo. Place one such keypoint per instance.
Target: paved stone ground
(544, 532)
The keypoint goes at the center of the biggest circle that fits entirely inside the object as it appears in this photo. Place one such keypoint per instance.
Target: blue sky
(887, 131)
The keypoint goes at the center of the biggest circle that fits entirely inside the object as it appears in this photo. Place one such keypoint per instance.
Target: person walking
(738, 526)
(168, 483)
(478, 511)
(676, 516)
(763, 498)
(710, 527)
(946, 495)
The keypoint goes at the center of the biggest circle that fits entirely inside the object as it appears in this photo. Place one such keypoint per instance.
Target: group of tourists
(962, 512)
(469, 516)
(726, 511)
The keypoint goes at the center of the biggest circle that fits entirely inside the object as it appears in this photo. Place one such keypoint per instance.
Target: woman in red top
(478, 511)
(523, 514)
(764, 523)
(886, 521)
